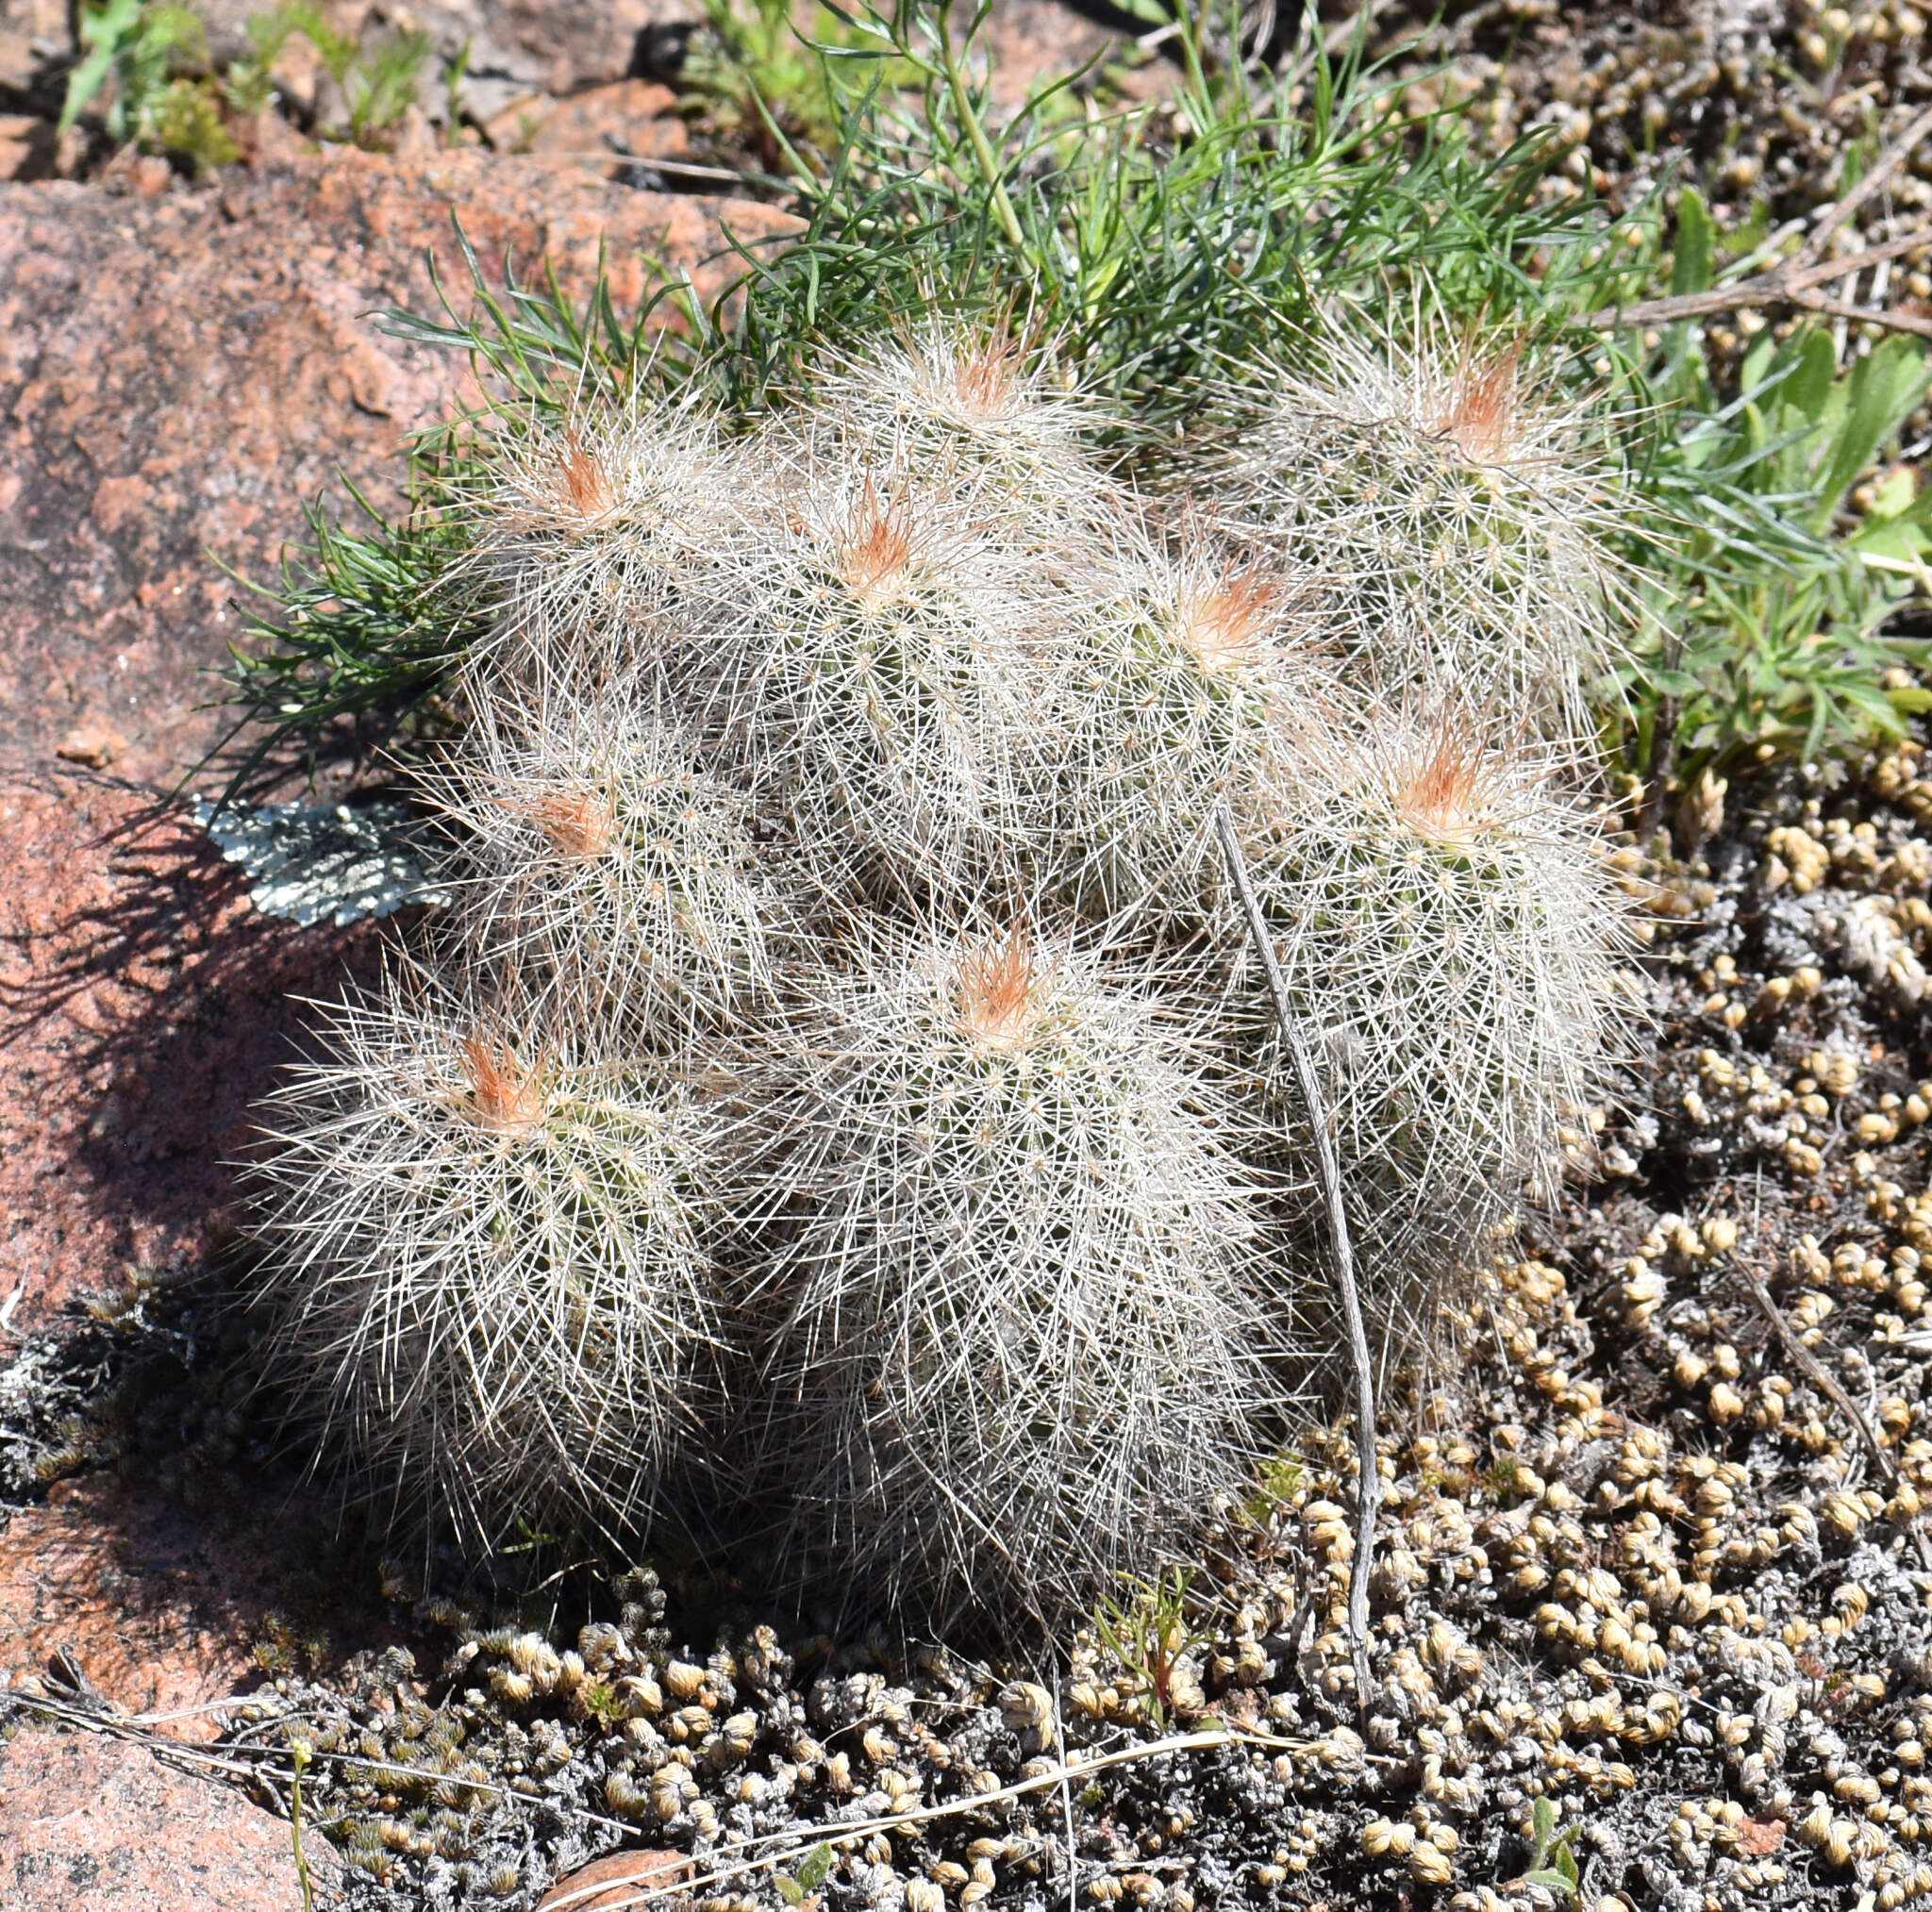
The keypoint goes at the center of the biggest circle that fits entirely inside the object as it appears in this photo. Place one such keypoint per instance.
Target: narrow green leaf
(105, 30)
(1814, 367)
(1691, 266)
(1885, 386)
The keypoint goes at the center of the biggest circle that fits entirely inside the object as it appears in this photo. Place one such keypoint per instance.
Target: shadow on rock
(145, 1006)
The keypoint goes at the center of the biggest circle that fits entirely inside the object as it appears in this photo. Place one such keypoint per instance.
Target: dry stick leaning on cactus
(1795, 282)
(1368, 1467)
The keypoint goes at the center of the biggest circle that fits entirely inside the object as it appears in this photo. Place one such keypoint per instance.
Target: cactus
(1189, 667)
(600, 862)
(490, 1255)
(1457, 506)
(1449, 929)
(886, 680)
(953, 397)
(755, 1116)
(609, 524)
(1022, 1315)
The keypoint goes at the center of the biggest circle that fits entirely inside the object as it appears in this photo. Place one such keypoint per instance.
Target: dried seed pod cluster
(841, 1060)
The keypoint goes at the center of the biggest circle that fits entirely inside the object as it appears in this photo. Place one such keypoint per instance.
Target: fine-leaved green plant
(760, 81)
(1158, 265)
(1552, 1864)
(131, 47)
(384, 82)
(1149, 1634)
(1765, 628)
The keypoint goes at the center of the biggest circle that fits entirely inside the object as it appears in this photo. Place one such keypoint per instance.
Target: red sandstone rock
(1032, 42)
(158, 1616)
(178, 375)
(160, 1601)
(603, 127)
(617, 1880)
(143, 1005)
(93, 1825)
(26, 144)
(33, 33)
(575, 43)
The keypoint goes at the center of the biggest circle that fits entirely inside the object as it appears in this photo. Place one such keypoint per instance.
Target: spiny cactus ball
(492, 1252)
(1188, 668)
(886, 674)
(610, 522)
(1460, 505)
(950, 401)
(842, 1104)
(1020, 1304)
(1450, 934)
(599, 862)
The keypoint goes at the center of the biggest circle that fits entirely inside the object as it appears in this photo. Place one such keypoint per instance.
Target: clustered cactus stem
(1020, 1317)
(1455, 498)
(841, 1099)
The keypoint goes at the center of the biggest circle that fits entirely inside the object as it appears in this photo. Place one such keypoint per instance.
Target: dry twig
(1815, 1370)
(1796, 281)
(1369, 1473)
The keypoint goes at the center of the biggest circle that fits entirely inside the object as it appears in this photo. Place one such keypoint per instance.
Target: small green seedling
(301, 1753)
(1270, 1510)
(137, 47)
(1552, 1865)
(813, 1870)
(1149, 1636)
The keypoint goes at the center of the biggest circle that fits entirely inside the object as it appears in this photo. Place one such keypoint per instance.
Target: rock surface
(617, 1880)
(601, 128)
(513, 47)
(179, 373)
(93, 1825)
(143, 1005)
(156, 1606)
(1030, 42)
